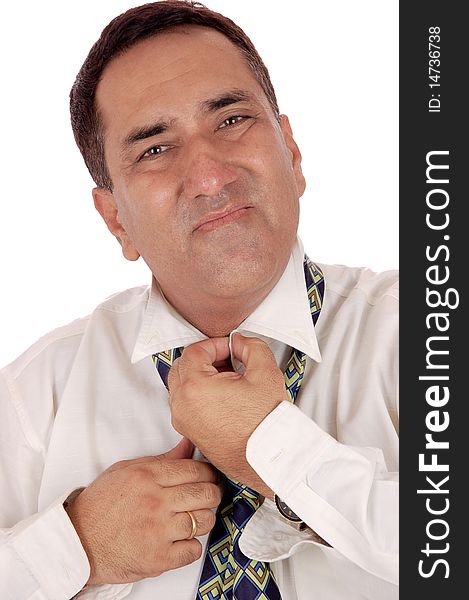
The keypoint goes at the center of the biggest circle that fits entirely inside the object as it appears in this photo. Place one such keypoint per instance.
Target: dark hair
(118, 36)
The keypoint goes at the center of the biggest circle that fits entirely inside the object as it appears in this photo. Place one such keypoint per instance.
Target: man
(286, 387)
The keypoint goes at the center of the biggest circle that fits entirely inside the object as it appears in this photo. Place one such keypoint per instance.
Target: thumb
(253, 353)
(184, 449)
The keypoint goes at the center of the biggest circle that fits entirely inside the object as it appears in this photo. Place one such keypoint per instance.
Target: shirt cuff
(269, 538)
(49, 553)
(276, 453)
(277, 448)
(344, 494)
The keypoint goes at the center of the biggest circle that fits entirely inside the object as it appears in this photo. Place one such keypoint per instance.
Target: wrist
(72, 497)
(70, 506)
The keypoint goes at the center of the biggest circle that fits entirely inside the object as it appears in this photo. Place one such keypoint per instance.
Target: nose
(207, 169)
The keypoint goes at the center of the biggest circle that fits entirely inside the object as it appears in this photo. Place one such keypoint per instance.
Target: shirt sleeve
(41, 556)
(345, 494)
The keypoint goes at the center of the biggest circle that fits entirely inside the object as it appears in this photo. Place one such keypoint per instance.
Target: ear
(105, 204)
(295, 153)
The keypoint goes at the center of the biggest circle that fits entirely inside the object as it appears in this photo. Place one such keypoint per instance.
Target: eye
(233, 120)
(154, 151)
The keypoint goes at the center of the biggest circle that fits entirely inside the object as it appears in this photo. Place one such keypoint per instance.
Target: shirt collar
(284, 315)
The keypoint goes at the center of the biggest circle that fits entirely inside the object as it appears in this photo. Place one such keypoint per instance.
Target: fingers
(169, 473)
(253, 353)
(200, 357)
(194, 495)
(181, 524)
(184, 449)
(182, 553)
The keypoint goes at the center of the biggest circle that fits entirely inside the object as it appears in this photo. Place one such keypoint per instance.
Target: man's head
(196, 170)
(125, 31)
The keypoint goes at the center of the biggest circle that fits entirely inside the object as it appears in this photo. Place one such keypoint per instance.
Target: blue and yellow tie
(227, 573)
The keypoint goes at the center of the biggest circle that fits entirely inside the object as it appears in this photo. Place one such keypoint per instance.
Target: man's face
(206, 181)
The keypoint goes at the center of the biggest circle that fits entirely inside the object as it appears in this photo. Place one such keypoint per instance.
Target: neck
(217, 316)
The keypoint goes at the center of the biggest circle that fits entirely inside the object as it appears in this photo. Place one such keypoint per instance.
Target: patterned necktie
(227, 573)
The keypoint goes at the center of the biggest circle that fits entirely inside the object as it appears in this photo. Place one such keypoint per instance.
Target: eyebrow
(211, 105)
(231, 97)
(142, 133)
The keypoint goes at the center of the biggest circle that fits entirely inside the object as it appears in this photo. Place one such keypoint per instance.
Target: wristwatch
(287, 513)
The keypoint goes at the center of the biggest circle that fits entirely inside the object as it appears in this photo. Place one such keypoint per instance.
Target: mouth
(214, 220)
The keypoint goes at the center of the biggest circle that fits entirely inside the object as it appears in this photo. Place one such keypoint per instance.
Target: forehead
(172, 70)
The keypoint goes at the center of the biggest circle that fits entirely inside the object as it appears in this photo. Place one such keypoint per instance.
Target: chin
(241, 274)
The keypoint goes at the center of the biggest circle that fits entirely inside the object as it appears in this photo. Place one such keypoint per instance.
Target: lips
(216, 219)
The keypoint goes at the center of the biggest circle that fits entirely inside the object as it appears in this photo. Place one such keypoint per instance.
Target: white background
(334, 65)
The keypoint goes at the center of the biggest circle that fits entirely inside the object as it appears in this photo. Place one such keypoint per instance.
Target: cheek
(283, 199)
(145, 205)
(271, 158)
(279, 182)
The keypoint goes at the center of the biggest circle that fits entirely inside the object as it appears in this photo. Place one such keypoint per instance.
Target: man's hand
(132, 519)
(218, 411)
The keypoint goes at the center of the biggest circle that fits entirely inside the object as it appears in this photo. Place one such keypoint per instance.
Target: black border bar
(433, 256)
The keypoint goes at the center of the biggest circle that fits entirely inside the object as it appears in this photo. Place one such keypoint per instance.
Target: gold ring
(194, 525)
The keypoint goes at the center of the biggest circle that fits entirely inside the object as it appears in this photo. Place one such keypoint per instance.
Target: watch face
(286, 510)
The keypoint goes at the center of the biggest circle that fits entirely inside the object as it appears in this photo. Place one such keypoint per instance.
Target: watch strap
(291, 517)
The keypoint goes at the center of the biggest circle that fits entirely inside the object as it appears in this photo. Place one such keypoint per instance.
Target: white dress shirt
(88, 395)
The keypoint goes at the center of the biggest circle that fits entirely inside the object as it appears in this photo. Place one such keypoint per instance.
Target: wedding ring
(194, 525)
